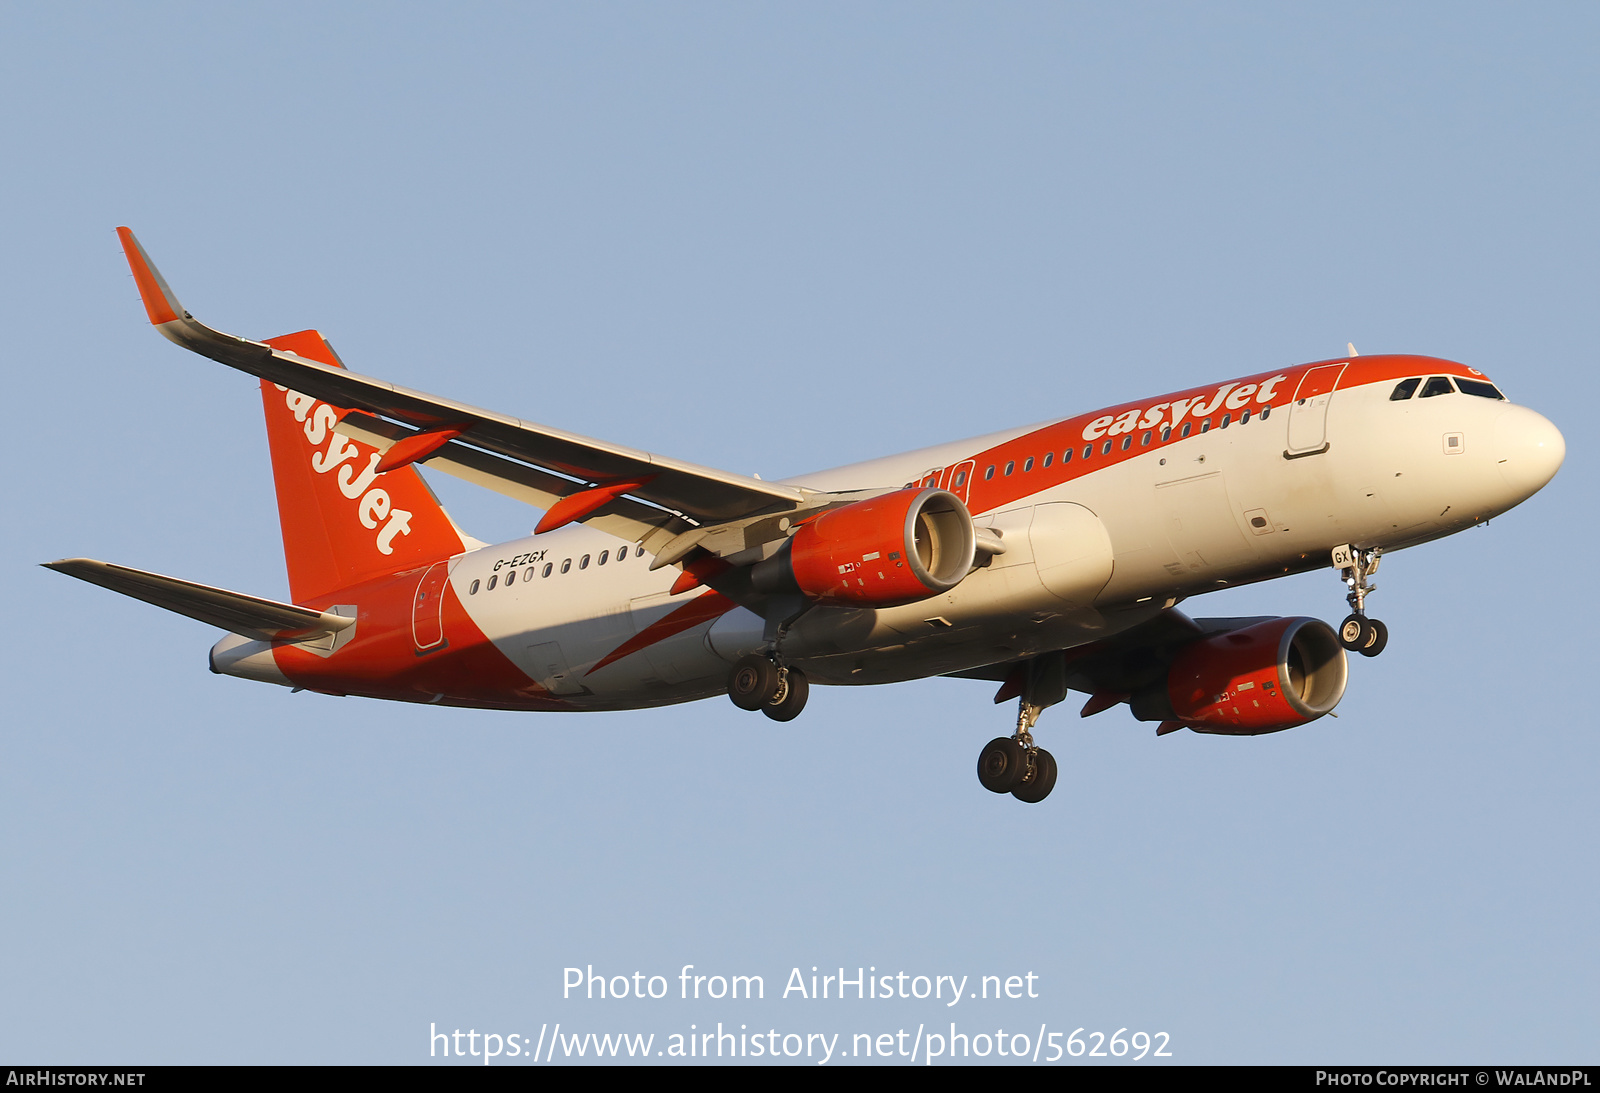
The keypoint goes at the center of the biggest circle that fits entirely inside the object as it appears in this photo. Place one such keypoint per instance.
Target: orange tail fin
(343, 522)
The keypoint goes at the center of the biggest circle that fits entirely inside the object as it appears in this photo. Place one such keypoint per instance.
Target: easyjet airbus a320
(1047, 558)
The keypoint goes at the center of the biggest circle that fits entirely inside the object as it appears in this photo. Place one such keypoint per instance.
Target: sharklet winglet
(159, 302)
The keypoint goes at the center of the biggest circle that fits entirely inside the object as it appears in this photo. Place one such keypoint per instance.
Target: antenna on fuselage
(1352, 347)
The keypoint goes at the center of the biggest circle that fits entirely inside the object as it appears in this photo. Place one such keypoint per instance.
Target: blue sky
(772, 239)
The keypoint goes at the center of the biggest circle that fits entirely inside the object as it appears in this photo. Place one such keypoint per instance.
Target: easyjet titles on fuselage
(1233, 396)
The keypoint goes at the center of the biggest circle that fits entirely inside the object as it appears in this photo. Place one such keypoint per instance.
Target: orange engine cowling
(899, 548)
(1268, 677)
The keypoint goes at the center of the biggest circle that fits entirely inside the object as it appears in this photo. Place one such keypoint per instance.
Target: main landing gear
(1358, 633)
(762, 683)
(1015, 765)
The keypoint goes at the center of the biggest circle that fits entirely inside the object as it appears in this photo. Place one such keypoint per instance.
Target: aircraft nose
(1529, 449)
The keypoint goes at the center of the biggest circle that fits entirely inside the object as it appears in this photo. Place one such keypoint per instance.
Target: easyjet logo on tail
(342, 458)
(1235, 396)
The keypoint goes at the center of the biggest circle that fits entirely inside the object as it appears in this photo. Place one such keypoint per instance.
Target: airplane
(1048, 558)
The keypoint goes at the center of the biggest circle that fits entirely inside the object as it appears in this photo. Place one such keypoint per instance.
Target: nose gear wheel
(1358, 633)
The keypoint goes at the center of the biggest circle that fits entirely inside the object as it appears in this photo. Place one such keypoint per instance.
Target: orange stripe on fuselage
(698, 610)
(1070, 434)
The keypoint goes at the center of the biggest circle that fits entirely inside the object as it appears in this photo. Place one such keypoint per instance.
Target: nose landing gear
(1014, 764)
(1358, 633)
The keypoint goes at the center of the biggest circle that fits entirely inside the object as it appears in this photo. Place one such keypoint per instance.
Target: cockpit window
(1405, 389)
(1437, 385)
(1479, 388)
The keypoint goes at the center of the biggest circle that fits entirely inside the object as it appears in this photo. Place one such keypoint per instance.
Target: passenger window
(1066, 456)
(1166, 434)
(510, 577)
(492, 582)
(566, 565)
(1244, 418)
(1048, 457)
(584, 564)
(1027, 465)
(1187, 425)
(1088, 450)
(988, 472)
(639, 553)
(1266, 411)
(1205, 426)
(1011, 466)
(1437, 385)
(1482, 390)
(1405, 389)
(473, 591)
(1227, 419)
(548, 566)
(1146, 440)
(961, 479)
(604, 554)
(1105, 449)
(1127, 442)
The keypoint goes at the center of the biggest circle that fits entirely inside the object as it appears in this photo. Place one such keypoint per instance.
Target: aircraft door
(427, 608)
(958, 479)
(1308, 413)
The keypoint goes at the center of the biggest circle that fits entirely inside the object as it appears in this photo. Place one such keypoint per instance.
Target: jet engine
(1263, 678)
(890, 550)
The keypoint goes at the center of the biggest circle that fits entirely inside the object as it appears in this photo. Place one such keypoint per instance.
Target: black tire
(753, 682)
(1002, 764)
(791, 698)
(1038, 787)
(1354, 632)
(1379, 637)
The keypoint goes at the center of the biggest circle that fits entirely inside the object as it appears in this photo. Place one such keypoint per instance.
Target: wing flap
(703, 493)
(251, 616)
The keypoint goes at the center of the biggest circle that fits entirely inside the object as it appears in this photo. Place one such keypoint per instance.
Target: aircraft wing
(264, 620)
(705, 495)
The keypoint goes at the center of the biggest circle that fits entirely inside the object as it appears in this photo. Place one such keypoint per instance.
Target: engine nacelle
(899, 548)
(1264, 678)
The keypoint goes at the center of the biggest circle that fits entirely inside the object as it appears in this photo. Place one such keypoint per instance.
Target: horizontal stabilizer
(264, 620)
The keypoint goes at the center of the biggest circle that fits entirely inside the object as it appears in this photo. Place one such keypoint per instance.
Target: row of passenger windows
(1441, 385)
(550, 567)
(1126, 443)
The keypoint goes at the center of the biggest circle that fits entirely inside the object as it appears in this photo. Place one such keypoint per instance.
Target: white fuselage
(1083, 559)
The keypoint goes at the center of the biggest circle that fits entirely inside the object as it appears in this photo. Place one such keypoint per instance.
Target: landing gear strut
(1358, 633)
(1014, 764)
(762, 683)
